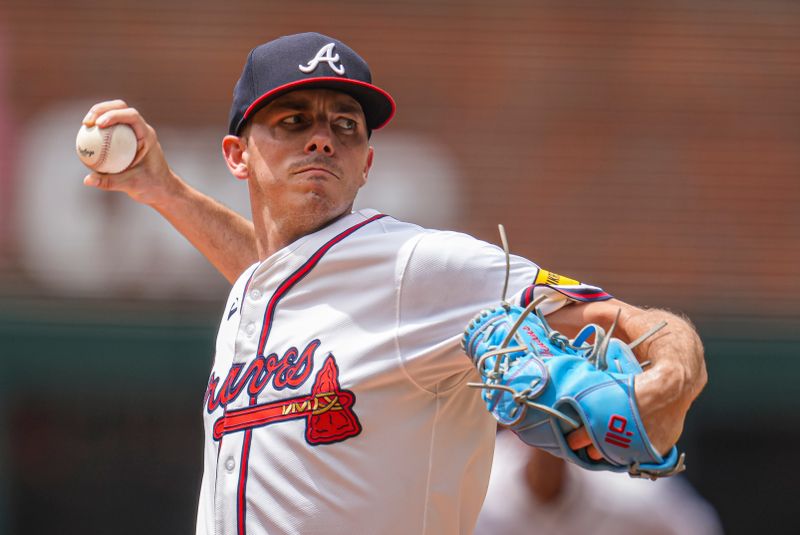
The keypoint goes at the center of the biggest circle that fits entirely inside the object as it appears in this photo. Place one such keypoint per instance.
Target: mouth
(316, 171)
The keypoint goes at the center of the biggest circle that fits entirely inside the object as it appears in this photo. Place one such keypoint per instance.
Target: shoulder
(386, 224)
(422, 244)
(456, 249)
(430, 257)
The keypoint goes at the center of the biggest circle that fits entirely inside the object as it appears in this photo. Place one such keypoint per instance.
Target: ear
(234, 149)
(367, 165)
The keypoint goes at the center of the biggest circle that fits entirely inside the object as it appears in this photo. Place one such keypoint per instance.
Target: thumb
(99, 181)
(579, 439)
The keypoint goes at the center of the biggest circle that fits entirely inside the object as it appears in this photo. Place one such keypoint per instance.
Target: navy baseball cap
(306, 61)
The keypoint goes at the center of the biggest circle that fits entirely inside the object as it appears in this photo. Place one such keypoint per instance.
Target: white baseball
(106, 150)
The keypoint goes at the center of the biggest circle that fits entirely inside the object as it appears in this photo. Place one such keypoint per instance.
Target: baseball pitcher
(339, 400)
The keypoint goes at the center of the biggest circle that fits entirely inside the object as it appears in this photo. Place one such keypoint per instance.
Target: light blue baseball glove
(543, 386)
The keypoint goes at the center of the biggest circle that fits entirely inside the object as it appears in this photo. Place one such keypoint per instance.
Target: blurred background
(650, 148)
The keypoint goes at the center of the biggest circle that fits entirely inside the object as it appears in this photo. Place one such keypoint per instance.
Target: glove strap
(673, 464)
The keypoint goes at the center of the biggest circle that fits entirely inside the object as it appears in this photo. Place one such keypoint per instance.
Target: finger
(594, 453)
(97, 180)
(579, 439)
(145, 135)
(129, 116)
(103, 181)
(100, 108)
(91, 180)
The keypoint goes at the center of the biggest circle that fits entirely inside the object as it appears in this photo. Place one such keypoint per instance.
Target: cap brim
(378, 105)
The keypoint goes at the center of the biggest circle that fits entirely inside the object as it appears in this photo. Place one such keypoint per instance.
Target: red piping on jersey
(585, 293)
(240, 502)
(596, 296)
(298, 275)
(269, 315)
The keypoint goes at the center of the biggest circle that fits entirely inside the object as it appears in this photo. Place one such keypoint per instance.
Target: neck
(273, 234)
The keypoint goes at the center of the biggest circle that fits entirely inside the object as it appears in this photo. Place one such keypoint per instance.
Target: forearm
(676, 350)
(676, 372)
(223, 236)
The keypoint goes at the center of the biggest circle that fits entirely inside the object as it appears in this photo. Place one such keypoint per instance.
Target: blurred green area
(68, 347)
(65, 348)
(103, 416)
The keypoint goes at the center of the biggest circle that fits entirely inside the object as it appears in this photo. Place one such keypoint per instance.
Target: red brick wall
(648, 148)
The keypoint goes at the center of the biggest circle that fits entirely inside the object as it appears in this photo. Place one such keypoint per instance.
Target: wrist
(663, 399)
(173, 190)
(662, 385)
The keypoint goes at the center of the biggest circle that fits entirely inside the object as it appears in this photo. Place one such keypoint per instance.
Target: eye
(292, 120)
(345, 123)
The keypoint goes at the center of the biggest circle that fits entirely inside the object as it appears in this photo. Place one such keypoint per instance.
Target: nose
(321, 140)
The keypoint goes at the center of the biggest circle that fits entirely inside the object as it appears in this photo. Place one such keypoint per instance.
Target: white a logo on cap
(324, 54)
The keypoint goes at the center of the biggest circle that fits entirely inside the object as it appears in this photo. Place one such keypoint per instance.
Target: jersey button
(255, 294)
(250, 328)
(230, 464)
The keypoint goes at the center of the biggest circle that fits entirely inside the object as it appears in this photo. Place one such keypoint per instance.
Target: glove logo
(544, 350)
(616, 428)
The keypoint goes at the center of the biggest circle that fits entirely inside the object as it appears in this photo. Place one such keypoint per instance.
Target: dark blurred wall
(650, 148)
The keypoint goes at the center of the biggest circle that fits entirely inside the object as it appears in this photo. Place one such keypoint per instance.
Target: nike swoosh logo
(234, 308)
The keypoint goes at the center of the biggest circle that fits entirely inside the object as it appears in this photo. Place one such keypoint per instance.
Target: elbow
(695, 373)
(701, 375)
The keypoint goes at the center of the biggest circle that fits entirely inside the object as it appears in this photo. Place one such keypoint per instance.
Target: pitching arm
(224, 237)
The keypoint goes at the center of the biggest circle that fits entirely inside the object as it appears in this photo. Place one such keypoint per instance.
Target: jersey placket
(229, 456)
(226, 461)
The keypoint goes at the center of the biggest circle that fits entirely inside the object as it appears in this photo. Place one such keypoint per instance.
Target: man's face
(307, 156)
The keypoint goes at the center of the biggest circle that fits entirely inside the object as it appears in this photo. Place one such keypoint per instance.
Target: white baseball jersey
(337, 401)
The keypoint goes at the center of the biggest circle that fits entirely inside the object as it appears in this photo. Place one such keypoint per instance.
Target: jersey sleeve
(447, 279)
(558, 289)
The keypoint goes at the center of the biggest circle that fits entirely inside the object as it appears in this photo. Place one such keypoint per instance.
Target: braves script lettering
(289, 371)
